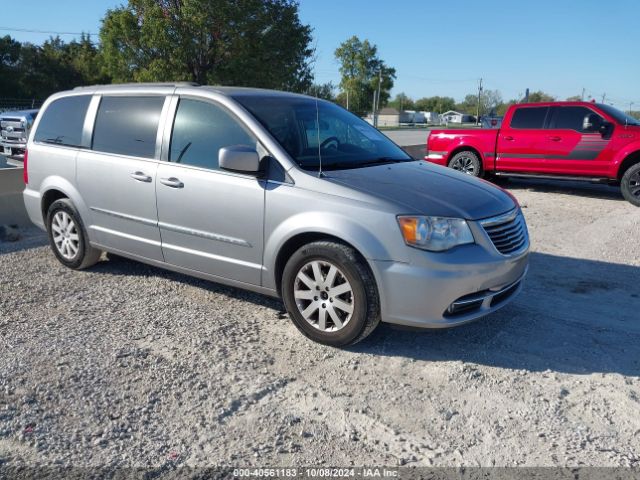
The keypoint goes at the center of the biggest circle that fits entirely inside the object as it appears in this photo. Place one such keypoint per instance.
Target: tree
(259, 43)
(325, 91)
(490, 102)
(362, 72)
(29, 71)
(574, 98)
(402, 102)
(540, 96)
(435, 104)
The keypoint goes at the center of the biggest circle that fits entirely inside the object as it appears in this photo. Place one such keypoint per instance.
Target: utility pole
(347, 99)
(479, 97)
(604, 95)
(582, 96)
(630, 103)
(376, 99)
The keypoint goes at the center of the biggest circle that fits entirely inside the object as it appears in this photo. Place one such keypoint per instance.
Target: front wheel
(330, 294)
(630, 185)
(466, 162)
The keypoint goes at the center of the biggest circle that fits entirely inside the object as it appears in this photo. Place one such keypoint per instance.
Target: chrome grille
(12, 129)
(508, 232)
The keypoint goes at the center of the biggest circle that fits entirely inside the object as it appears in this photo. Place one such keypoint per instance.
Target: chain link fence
(9, 104)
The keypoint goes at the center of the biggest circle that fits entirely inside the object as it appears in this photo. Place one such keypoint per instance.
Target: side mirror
(239, 158)
(605, 129)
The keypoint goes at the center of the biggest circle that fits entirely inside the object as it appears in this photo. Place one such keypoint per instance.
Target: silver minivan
(277, 193)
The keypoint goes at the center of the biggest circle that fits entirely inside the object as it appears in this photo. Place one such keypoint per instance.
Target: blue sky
(443, 48)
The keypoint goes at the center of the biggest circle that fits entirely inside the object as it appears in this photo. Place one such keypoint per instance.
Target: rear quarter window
(128, 125)
(63, 120)
(529, 117)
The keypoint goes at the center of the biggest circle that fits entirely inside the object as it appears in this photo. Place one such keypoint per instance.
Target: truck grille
(508, 232)
(12, 129)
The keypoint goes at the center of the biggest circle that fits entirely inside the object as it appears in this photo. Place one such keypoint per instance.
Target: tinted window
(580, 119)
(318, 131)
(619, 116)
(63, 120)
(128, 125)
(529, 117)
(200, 130)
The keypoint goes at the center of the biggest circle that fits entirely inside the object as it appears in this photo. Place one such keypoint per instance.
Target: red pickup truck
(559, 140)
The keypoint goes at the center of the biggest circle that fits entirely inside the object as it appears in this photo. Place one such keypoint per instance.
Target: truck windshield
(619, 116)
(328, 133)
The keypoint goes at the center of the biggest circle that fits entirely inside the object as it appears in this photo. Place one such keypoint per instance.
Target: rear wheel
(466, 162)
(67, 237)
(630, 185)
(330, 294)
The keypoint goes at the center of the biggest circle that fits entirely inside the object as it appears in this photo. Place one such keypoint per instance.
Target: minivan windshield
(619, 116)
(329, 133)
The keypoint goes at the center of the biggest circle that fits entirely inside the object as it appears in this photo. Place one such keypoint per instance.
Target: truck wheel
(630, 185)
(68, 238)
(466, 162)
(330, 294)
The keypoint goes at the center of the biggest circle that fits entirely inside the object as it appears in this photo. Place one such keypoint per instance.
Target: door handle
(141, 177)
(555, 139)
(508, 138)
(172, 182)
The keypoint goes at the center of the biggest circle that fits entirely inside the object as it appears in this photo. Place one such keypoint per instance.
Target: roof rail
(143, 84)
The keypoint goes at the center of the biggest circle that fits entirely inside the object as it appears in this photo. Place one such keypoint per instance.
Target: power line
(49, 32)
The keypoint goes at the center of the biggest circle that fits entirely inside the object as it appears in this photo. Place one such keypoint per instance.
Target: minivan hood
(428, 189)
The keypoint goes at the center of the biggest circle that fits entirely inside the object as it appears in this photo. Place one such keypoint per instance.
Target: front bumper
(462, 285)
(12, 149)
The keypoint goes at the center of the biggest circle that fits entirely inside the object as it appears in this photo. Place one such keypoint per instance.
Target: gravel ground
(128, 365)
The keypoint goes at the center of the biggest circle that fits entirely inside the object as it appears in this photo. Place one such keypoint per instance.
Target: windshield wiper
(382, 161)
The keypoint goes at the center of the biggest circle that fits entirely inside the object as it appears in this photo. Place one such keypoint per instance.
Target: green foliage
(30, 71)
(325, 91)
(574, 98)
(258, 43)
(361, 71)
(402, 102)
(435, 104)
(540, 96)
(490, 102)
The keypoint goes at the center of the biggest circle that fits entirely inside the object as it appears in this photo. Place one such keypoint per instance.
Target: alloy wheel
(65, 235)
(464, 164)
(634, 184)
(324, 296)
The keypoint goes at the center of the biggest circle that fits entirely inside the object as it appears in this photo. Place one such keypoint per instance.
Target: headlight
(434, 233)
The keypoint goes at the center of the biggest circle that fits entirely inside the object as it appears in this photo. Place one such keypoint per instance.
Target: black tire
(86, 255)
(630, 185)
(466, 162)
(364, 299)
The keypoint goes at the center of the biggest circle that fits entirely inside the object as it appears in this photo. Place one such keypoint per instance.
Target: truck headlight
(436, 234)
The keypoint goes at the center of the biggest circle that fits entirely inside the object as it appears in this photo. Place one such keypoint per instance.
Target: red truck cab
(560, 140)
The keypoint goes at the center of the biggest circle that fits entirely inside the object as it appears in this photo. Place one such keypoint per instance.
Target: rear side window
(63, 120)
(128, 125)
(529, 117)
(580, 119)
(200, 130)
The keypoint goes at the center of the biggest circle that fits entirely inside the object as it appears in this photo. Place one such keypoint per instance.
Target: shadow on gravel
(582, 189)
(573, 316)
(117, 265)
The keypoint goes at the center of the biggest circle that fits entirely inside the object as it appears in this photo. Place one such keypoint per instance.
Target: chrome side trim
(174, 228)
(124, 216)
(211, 256)
(202, 234)
(125, 235)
